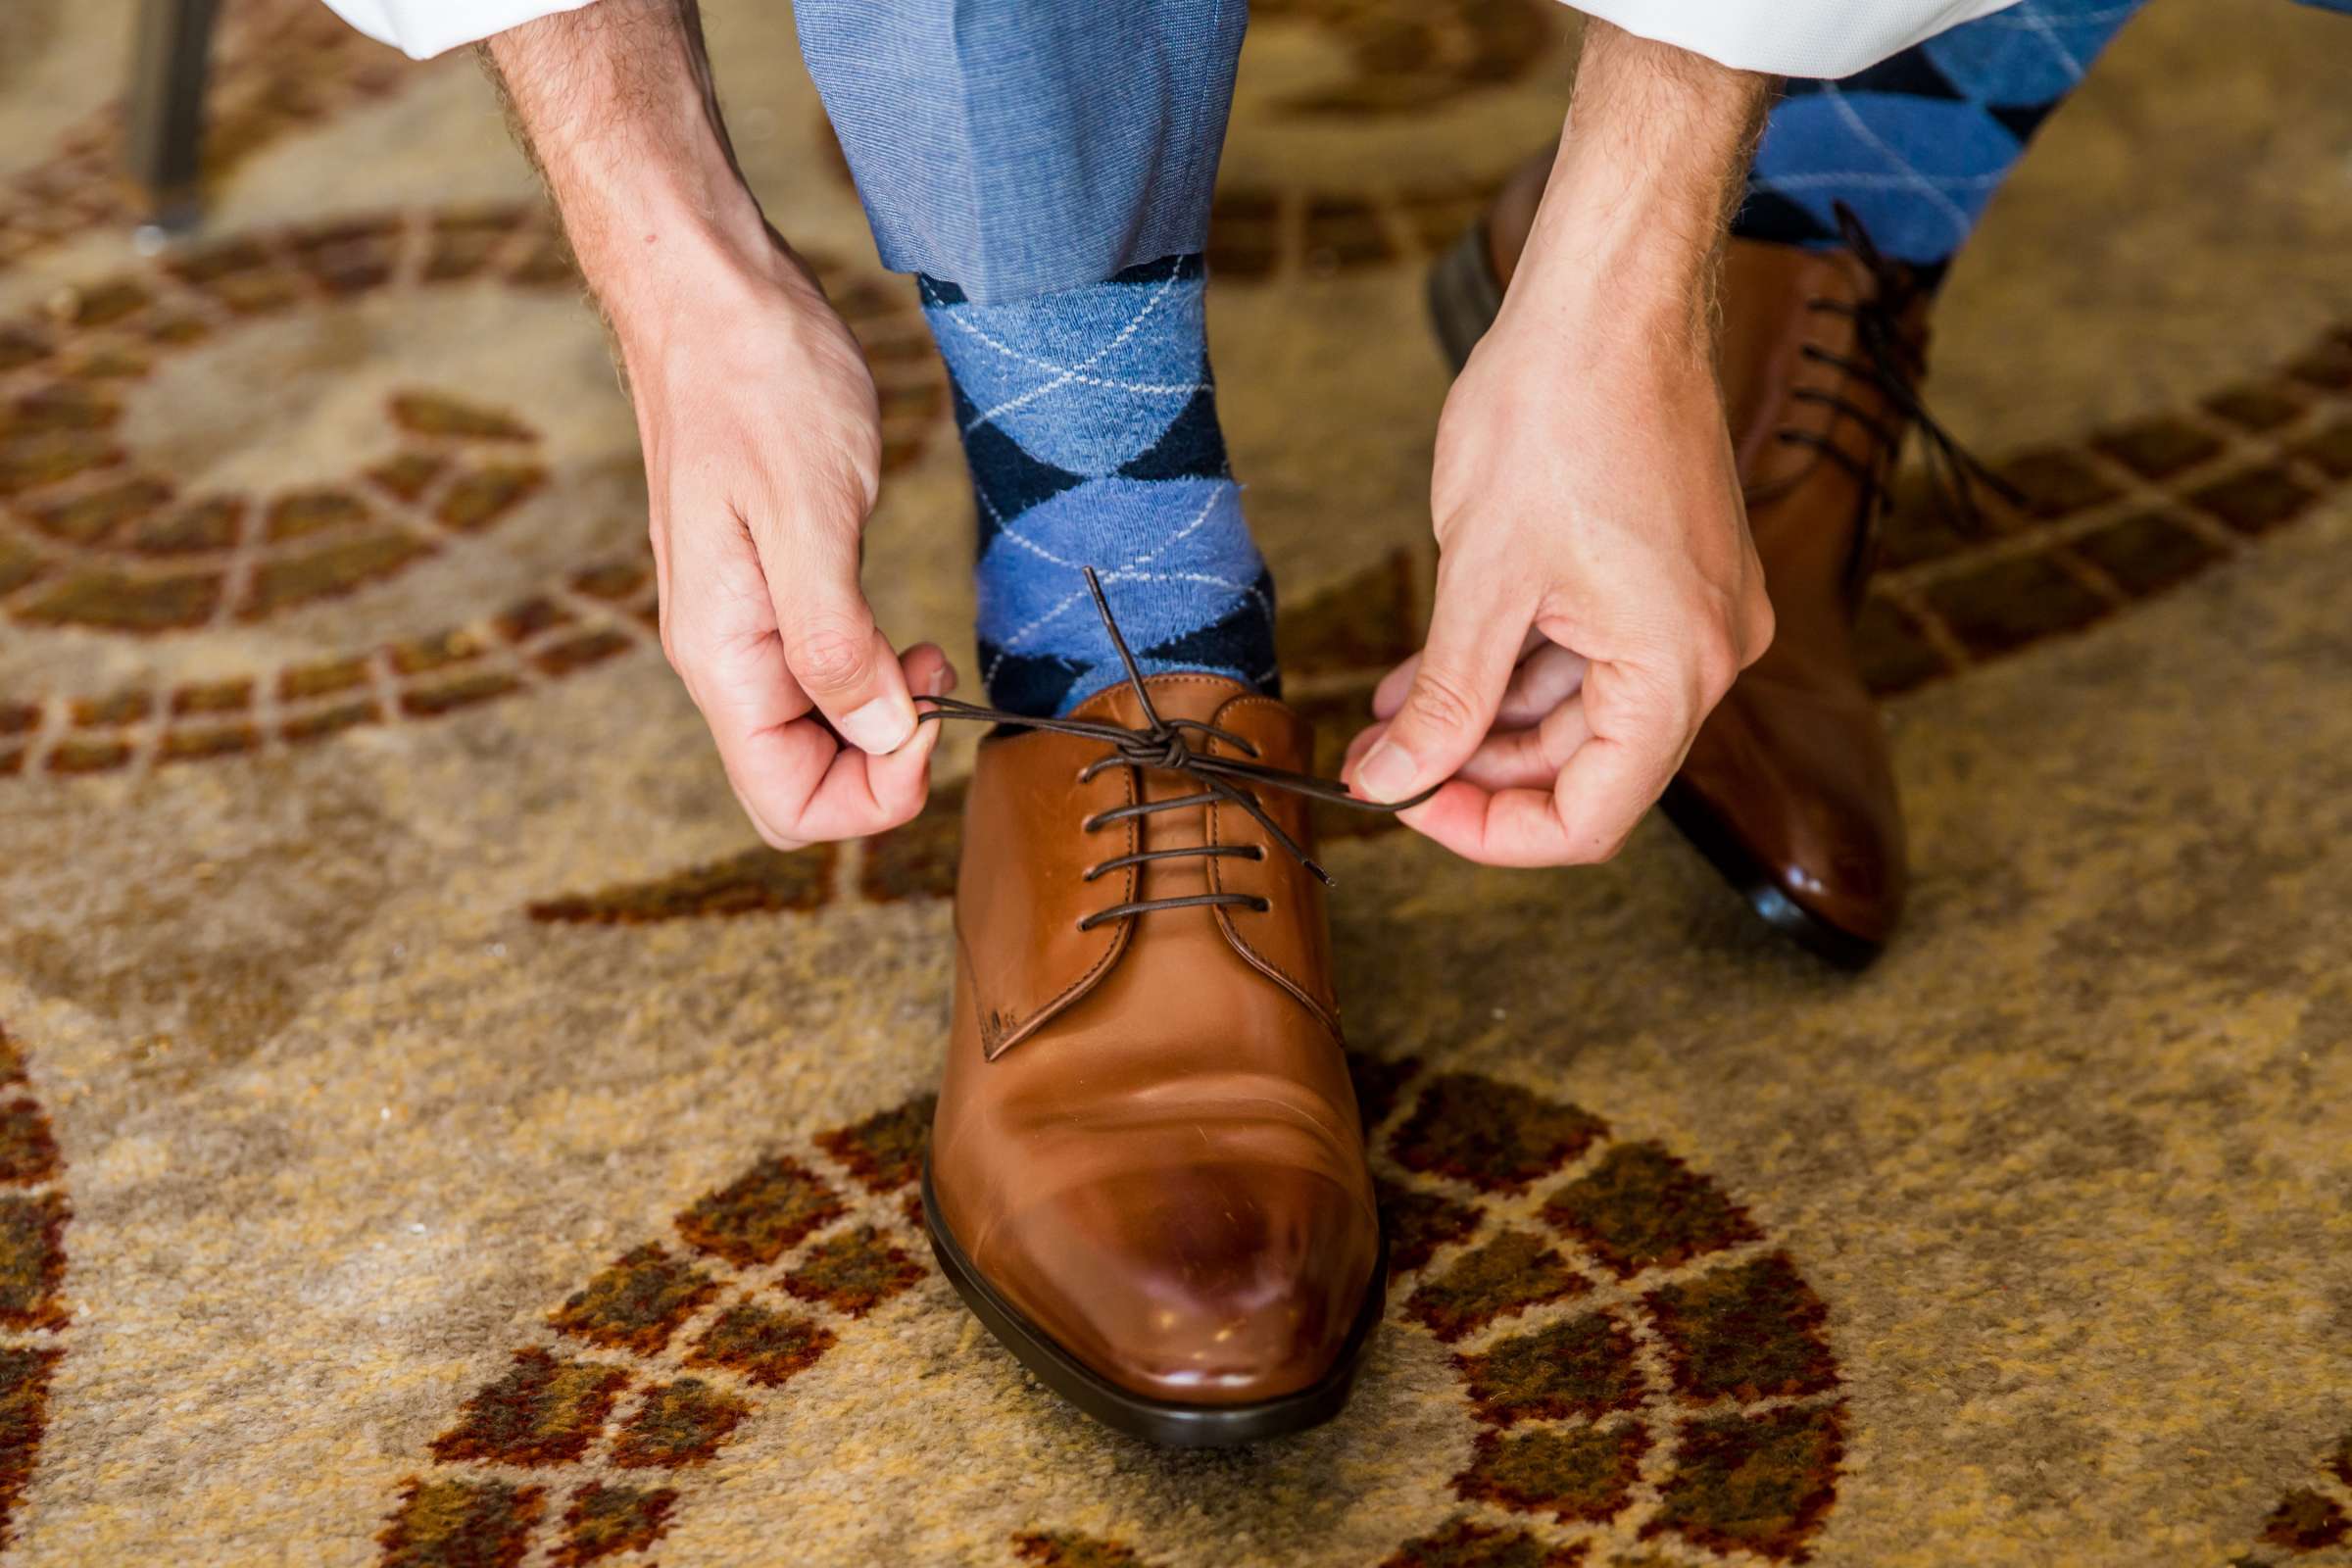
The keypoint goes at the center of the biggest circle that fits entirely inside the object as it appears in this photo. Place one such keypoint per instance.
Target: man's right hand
(763, 449)
(763, 440)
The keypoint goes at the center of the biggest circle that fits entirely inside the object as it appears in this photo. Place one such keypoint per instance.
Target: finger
(774, 765)
(1600, 794)
(832, 647)
(1493, 827)
(719, 632)
(1643, 721)
(894, 785)
(1389, 695)
(1606, 790)
(1365, 739)
(1479, 625)
(794, 781)
(1585, 819)
(927, 670)
(1546, 678)
(857, 794)
(1529, 758)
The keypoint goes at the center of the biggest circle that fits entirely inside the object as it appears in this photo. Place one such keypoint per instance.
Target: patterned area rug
(434, 1133)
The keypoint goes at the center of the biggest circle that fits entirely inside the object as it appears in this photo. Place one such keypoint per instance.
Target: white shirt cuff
(1827, 39)
(423, 28)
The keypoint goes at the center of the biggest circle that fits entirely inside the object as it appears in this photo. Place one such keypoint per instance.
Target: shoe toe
(1198, 1285)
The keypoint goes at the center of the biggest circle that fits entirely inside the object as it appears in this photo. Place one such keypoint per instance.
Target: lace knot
(1159, 743)
(1163, 747)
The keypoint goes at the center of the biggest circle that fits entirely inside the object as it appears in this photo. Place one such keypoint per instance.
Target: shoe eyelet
(1264, 905)
(1090, 824)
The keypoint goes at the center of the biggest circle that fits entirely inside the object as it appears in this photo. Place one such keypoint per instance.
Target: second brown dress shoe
(1788, 789)
(1146, 1173)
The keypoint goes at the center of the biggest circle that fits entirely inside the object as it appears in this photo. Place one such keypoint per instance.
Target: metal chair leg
(164, 137)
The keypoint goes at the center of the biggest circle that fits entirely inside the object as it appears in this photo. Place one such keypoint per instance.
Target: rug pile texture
(434, 1133)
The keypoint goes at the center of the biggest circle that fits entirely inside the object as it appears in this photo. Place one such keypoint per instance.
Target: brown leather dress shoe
(1146, 1173)
(1788, 789)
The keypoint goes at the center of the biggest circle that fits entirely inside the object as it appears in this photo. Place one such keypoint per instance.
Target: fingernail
(1386, 772)
(880, 727)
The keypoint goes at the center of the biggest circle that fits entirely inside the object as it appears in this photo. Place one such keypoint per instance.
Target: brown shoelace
(1893, 368)
(1161, 743)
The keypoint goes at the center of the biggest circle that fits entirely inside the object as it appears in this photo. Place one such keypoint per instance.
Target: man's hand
(761, 435)
(1596, 589)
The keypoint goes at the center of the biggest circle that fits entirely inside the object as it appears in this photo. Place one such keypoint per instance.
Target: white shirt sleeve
(422, 29)
(1791, 37)
(1786, 37)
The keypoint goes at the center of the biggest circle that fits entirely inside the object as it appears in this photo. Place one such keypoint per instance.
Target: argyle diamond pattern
(1090, 425)
(1917, 144)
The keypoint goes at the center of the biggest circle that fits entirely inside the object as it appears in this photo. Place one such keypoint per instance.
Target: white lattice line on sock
(1075, 372)
(1005, 528)
(953, 315)
(2038, 26)
(1960, 221)
(1113, 575)
(1066, 374)
(1148, 388)
(1248, 589)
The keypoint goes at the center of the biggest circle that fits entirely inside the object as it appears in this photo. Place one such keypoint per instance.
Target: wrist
(650, 227)
(1630, 230)
(615, 108)
(663, 258)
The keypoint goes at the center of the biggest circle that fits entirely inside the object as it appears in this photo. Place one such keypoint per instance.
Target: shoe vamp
(1803, 774)
(1184, 1054)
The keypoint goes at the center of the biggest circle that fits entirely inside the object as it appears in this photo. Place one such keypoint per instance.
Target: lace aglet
(1321, 875)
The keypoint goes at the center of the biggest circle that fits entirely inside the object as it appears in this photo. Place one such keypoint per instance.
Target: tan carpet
(435, 1135)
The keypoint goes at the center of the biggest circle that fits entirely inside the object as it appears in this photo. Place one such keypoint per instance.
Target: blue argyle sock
(1089, 422)
(1917, 144)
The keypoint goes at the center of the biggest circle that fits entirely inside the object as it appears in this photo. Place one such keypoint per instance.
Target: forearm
(1648, 171)
(615, 105)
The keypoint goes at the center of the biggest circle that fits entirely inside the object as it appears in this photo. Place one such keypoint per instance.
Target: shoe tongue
(1282, 738)
(1175, 696)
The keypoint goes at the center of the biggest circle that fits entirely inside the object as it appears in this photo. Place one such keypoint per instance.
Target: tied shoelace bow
(1160, 743)
(1894, 367)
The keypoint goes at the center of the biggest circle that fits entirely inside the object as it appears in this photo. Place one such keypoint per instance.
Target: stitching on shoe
(1326, 1013)
(1043, 1012)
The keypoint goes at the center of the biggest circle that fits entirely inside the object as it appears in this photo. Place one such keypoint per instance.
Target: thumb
(839, 656)
(1474, 642)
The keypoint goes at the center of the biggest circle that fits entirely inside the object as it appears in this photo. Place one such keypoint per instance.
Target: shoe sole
(1732, 859)
(1164, 1422)
(1463, 298)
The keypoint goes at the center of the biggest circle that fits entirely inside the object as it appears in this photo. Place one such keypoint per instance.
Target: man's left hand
(1597, 594)
(1596, 589)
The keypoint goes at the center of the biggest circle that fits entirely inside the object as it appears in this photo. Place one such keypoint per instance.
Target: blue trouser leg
(1022, 146)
